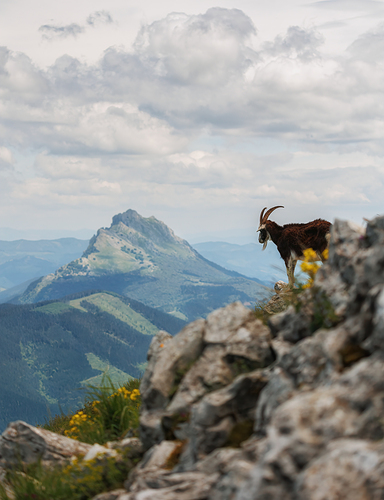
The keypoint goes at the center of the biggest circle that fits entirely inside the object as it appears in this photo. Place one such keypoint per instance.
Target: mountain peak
(150, 227)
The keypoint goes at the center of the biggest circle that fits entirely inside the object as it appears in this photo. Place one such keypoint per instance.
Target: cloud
(6, 158)
(97, 18)
(191, 73)
(181, 117)
(188, 73)
(369, 46)
(348, 4)
(201, 49)
(50, 31)
(297, 42)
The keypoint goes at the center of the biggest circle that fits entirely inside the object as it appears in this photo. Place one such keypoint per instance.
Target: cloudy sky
(199, 113)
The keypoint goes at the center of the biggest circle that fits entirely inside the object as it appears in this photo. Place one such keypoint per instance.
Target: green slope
(48, 351)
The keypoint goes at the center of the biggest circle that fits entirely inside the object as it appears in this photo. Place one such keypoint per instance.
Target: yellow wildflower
(310, 266)
(134, 394)
(310, 255)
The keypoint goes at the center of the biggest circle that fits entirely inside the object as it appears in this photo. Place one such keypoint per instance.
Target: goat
(292, 239)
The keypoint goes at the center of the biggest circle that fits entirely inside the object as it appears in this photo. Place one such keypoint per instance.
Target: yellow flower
(310, 266)
(310, 255)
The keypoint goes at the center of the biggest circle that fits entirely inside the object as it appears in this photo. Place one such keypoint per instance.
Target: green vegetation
(50, 350)
(108, 414)
(116, 376)
(121, 310)
(314, 300)
(54, 308)
(77, 481)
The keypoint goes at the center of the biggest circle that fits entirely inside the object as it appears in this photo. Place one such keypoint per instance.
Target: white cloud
(99, 17)
(50, 31)
(297, 42)
(6, 157)
(55, 31)
(204, 49)
(177, 119)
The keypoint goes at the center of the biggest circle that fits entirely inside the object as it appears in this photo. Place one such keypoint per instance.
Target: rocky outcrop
(236, 410)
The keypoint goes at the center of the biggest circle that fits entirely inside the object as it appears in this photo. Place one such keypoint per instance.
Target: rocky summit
(143, 259)
(233, 409)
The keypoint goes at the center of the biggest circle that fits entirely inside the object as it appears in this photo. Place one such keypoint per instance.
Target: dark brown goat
(292, 239)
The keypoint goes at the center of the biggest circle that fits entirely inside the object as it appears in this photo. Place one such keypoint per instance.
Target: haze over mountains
(142, 258)
(22, 260)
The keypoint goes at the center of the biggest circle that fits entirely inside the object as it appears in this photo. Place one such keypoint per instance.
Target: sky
(199, 113)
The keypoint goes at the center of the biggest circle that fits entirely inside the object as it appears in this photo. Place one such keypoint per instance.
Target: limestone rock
(350, 468)
(168, 362)
(233, 343)
(21, 441)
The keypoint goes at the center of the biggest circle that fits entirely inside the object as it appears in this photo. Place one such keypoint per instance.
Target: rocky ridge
(234, 409)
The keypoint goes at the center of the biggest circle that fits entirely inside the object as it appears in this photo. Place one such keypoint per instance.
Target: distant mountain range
(249, 260)
(143, 259)
(49, 350)
(22, 260)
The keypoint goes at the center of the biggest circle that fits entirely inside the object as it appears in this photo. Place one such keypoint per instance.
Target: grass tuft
(109, 413)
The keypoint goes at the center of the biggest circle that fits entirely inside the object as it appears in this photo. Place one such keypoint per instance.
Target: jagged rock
(168, 362)
(220, 413)
(181, 486)
(21, 441)
(229, 343)
(98, 452)
(350, 468)
(290, 325)
(130, 447)
(112, 495)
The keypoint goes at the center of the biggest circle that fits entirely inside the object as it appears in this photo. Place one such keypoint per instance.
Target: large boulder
(214, 363)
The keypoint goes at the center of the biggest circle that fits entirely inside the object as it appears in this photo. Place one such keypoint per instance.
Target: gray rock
(279, 389)
(169, 364)
(350, 468)
(21, 441)
(223, 323)
(232, 342)
(290, 326)
(112, 495)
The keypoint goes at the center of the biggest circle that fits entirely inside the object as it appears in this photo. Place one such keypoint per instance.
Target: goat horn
(268, 213)
(262, 214)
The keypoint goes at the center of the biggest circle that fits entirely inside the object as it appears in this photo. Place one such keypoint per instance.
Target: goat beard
(265, 244)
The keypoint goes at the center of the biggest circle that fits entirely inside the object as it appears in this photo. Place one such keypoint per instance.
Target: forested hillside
(49, 350)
